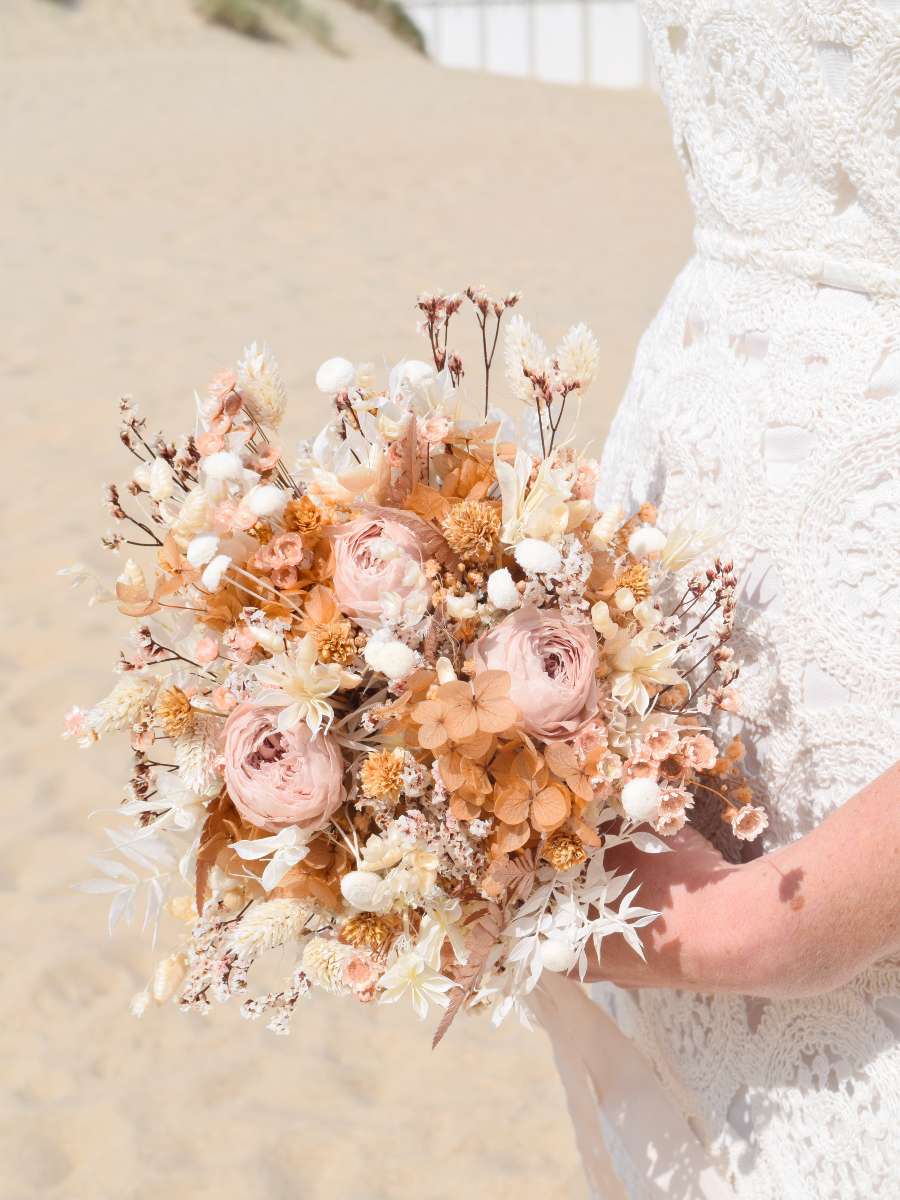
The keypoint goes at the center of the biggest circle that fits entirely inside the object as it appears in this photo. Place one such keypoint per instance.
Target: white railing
(599, 42)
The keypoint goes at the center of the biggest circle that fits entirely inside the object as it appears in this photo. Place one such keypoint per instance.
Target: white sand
(170, 192)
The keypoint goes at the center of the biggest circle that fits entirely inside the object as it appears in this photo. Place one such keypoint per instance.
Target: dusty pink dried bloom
(748, 822)
(698, 752)
(363, 572)
(668, 824)
(639, 768)
(278, 777)
(661, 743)
(553, 665)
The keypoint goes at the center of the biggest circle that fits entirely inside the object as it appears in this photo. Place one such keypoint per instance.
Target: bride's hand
(802, 920)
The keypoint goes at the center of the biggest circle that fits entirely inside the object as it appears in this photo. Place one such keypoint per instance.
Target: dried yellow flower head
(647, 513)
(173, 712)
(563, 851)
(335, 642)
(471, 529)
(302, 516)
(381, 774)
(262, 532)
(367, 930)
(637, 579)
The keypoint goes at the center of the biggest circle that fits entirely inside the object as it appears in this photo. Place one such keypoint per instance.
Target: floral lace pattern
(769, 385)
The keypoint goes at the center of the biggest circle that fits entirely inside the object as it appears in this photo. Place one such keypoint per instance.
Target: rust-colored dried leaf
(427, 502)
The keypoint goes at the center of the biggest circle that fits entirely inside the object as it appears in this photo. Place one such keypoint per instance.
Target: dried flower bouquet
(392, 706)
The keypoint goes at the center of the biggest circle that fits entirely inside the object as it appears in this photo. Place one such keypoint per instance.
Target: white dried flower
(260, 385)
(193, 517)
(523, 349)
(215, 572)
(578, 357)
(501, 589)
(223, 465)
(640, 799)
(537, 557)
(268, 926)
(132, 575)
(335, 375)
(196, 755)
(411, 974)
(202, 549)
(392, 658)
(646, 541)
(167, 977)
(299, 685)
(605, 527)
(558, 955)
(324, 962)
(125, 705)
(365, 891)
(445, 671)
(624, 599)
(265, 500)
(462, 607)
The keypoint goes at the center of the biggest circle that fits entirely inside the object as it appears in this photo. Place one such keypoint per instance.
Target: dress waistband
(848, 274)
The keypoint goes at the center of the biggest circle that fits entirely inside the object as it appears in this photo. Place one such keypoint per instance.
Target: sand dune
(171, 192)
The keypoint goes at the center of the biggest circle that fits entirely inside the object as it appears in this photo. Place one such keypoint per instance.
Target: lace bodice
(766, 400)
(786, 118)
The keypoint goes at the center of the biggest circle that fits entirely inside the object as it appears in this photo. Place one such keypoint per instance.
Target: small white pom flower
(335, 375)
(391, 658)
(265, 500)
(537, 557)
(223, 465)
(501, 589)
(366, 891)
(462, 607)
(202, 549)
(214, 573)
(558, 955)
(646, 541)
(640, 799)
(415, 374)
(624, 599)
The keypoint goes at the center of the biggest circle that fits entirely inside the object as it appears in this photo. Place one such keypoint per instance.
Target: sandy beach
(172, 192)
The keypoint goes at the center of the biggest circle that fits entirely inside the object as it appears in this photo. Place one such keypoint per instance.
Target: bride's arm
(799, 921)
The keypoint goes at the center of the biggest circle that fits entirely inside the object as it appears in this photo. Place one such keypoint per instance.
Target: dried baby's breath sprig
(173, 712)
(471, 529)
(563, 851)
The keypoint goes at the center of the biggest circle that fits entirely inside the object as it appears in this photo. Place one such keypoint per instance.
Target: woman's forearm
(812, 915)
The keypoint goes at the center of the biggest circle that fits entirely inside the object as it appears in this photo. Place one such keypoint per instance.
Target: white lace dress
(768, 390)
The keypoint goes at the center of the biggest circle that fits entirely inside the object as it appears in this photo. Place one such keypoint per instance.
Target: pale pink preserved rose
(552, 663)
(278, 778)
